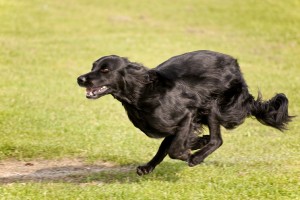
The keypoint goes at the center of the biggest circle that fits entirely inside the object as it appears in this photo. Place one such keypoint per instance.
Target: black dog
(174, 100)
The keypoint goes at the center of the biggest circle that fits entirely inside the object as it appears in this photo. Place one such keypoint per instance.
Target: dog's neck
(134, 88)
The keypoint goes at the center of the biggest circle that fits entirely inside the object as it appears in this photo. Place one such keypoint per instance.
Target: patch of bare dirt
(65, 170)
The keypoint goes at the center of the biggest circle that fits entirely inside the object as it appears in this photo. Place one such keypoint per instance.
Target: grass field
(44, 115)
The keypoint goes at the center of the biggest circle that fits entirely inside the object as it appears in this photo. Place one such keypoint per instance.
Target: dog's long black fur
(175, 99)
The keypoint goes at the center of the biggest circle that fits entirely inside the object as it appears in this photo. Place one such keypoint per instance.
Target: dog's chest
(151, 123)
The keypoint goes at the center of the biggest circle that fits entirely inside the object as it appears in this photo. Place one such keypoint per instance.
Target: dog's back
(217, 80)
(205, 72)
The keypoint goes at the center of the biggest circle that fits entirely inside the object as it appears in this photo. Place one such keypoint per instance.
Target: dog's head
(108, 76)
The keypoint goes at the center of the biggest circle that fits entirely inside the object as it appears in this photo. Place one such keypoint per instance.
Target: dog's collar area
(95, 92)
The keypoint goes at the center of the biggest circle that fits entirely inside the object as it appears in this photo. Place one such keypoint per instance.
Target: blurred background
(45, 45)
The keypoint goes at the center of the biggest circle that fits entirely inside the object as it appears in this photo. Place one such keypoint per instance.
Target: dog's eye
(104, 70)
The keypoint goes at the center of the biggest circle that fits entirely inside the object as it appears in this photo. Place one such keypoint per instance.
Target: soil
(64, 170)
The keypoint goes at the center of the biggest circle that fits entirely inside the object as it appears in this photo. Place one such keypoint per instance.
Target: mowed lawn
(45, 45)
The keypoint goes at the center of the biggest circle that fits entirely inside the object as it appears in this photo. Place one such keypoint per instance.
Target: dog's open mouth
(96, 92)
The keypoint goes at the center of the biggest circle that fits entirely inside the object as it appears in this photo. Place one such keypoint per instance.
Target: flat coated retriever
(177, 98)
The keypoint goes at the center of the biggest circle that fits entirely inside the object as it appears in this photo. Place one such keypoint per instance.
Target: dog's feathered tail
(273, 112)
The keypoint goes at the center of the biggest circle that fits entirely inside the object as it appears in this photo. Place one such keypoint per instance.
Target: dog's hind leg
(215, 142)
(159, 156)
(199, 142)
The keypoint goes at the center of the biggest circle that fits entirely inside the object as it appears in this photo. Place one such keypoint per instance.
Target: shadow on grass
(95, 174)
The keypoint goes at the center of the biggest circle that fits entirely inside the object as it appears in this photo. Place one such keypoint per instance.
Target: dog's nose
(81, 80)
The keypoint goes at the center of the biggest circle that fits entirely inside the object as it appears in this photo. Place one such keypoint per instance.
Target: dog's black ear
(131, 67)
(134, 66)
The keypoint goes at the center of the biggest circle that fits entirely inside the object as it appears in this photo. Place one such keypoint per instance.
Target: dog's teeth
(91, 92)
(102, 88)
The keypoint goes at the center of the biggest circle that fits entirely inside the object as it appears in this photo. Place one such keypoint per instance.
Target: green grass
(44, 46)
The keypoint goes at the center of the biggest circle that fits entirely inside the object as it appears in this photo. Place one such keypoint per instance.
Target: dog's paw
(193, 161)
(144, 169)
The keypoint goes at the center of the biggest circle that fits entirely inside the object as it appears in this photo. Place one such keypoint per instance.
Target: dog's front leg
(179, 148)
(159, 156)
